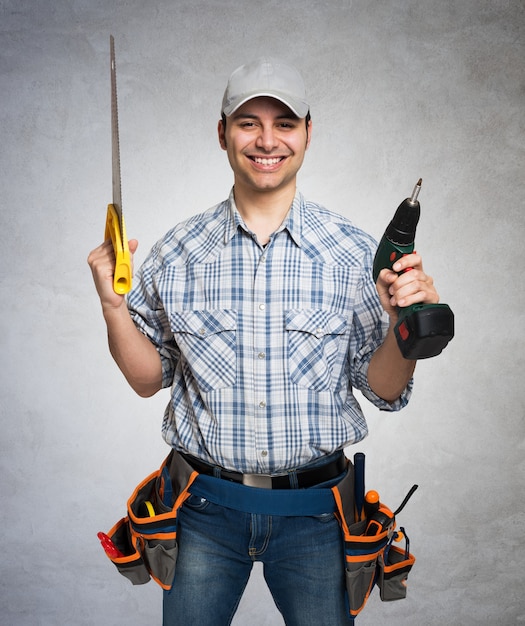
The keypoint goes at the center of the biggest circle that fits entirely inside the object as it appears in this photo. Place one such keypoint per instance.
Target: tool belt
(145, 540)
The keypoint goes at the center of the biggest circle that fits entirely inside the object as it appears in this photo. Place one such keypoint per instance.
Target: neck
(263, 213)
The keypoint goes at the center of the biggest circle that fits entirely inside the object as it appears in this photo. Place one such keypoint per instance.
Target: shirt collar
(292, 222)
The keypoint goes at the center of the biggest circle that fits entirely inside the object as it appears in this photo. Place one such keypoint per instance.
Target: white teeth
(262, 161)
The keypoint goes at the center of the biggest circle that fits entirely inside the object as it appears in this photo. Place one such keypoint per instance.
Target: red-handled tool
(109, 547)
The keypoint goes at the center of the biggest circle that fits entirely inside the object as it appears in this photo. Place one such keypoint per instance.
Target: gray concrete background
(399, 89)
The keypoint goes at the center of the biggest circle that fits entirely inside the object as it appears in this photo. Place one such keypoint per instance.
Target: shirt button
(319, 331)
(264, 453)
(261, 355)
(202, 331)
(262, 307)
(262, 404)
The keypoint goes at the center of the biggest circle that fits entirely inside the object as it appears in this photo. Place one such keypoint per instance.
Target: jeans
(302, 558)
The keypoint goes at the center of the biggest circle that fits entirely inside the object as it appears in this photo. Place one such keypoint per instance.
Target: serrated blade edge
(115, 143)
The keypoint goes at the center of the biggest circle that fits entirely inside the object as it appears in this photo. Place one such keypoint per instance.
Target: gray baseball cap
(266, 77)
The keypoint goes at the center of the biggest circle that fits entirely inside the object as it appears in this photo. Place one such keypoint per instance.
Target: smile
(267, 161)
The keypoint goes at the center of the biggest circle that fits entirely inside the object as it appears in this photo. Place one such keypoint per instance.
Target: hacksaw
(115, 225)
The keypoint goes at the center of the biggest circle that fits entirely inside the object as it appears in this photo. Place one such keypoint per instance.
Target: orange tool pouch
(147, 536)
(368, 559)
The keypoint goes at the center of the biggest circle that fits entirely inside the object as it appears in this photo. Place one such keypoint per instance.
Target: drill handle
(387, 254)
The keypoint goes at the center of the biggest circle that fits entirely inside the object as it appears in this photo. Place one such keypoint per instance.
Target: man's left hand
(407, 284)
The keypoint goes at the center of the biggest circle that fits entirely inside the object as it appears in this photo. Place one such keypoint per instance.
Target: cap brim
(298, 107)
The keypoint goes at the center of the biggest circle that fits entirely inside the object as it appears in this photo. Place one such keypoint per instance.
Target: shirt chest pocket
(316, 347)
(208, 346)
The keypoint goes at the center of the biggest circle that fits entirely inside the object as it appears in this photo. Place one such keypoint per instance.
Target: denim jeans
(302, 558)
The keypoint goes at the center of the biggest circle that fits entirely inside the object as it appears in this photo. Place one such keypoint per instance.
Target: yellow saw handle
(116, 231)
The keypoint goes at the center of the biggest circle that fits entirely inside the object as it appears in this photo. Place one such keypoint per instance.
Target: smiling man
(266, 143)
(262, 317)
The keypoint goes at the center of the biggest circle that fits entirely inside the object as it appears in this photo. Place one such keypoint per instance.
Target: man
(262, 316)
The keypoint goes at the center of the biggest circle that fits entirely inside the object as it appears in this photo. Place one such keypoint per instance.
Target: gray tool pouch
(394, 566)
(147, 536)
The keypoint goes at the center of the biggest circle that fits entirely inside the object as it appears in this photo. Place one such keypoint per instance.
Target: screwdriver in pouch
(379, 516)
(371, 503)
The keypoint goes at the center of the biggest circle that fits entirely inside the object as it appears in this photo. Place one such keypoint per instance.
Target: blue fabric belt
(289, 502)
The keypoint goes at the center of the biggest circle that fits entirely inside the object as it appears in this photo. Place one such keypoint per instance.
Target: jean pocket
(208, 343)
(325, 518)
(196, 503)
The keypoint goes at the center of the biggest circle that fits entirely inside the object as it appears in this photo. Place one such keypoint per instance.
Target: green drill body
(422, 330)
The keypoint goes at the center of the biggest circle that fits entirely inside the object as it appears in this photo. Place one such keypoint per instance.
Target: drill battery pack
(423, 331)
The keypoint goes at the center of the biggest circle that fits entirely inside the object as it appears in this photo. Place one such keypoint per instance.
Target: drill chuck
(402, 229)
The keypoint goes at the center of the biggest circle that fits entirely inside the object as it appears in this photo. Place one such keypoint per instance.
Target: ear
(222, 134)
(308, 134)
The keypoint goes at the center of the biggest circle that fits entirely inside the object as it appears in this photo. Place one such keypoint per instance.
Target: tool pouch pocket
(394, 565)
(362, 554)
(147, 536)
(132, 564)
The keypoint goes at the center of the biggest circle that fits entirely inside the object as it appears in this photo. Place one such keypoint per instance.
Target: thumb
(133, 244)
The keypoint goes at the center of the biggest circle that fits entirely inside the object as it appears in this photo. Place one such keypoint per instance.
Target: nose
(267, 138)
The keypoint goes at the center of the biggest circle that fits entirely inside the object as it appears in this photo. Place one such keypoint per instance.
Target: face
(266, 144)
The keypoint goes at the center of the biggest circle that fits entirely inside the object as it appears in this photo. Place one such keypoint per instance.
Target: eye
(287, 125)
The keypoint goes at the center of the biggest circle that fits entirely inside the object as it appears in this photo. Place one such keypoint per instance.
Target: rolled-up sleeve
(150, 318)
(370, 325)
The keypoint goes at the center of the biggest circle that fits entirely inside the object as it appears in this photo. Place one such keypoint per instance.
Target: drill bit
(415, 193)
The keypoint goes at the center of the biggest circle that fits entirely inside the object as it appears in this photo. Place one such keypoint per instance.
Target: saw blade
(115, 143)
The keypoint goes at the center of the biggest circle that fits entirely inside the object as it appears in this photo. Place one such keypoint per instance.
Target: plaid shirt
(262, 346)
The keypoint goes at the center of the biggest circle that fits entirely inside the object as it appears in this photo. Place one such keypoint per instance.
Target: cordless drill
(422, 330)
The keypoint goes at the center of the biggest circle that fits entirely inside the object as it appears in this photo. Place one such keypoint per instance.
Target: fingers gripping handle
(116, 231)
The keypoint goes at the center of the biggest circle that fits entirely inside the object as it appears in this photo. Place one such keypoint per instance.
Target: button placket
(260, 344)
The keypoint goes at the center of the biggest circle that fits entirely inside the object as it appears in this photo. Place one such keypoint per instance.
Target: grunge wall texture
(399, 89)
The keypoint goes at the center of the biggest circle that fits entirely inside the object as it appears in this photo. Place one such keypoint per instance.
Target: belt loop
(292, 477)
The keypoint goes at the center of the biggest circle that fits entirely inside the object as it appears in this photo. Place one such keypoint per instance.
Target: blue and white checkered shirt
(262, 346)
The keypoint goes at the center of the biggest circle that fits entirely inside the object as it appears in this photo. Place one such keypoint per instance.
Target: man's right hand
(101, 260)
(133, 352)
